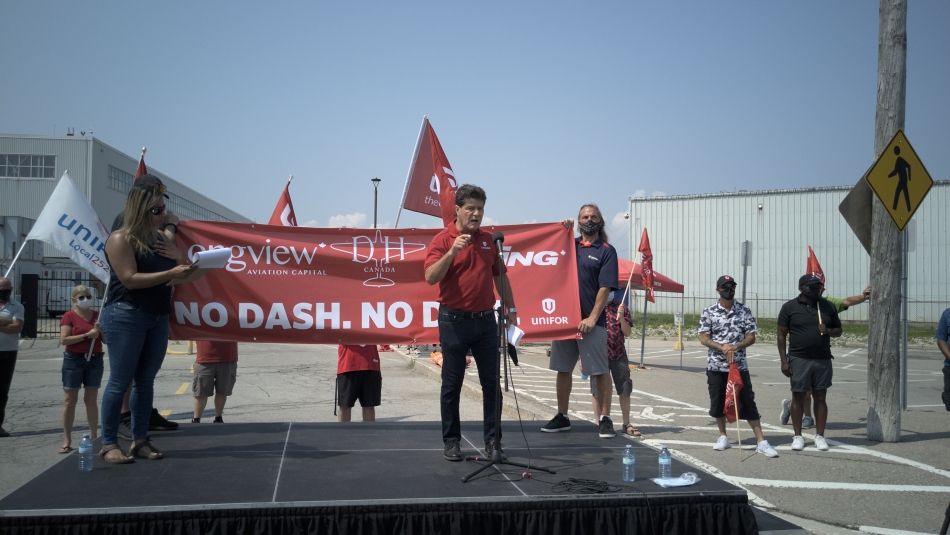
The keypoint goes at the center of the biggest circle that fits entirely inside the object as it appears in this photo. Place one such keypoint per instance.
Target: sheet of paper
(514, 334)
(213, 258)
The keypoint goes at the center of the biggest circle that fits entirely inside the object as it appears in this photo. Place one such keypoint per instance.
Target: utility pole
(887, 260)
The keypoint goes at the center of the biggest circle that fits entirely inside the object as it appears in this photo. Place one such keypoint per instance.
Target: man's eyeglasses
(83, 297)
(157, 210)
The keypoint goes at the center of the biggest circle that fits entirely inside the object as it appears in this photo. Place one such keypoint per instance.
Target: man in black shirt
(810, 322)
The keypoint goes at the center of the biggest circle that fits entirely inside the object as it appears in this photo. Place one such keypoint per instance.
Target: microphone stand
(503, 355)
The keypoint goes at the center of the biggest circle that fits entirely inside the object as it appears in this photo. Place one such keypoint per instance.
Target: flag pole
(643, 333)
(412, 165)
(735, 402)
(13, 263)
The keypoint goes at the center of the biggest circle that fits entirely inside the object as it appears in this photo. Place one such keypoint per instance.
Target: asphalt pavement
(858, 485)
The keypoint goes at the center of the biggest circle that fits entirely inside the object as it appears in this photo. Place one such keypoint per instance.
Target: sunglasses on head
(157, 210)
(83, 297)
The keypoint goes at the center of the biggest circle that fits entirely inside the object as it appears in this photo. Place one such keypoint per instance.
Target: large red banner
(357, 286)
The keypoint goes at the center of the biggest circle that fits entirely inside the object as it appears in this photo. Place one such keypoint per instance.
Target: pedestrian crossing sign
(899, 179)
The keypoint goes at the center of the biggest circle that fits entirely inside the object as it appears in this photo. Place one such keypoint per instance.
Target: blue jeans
(458, 335)
(137, 342)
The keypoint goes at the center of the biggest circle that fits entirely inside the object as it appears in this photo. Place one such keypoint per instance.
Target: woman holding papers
(135, 317)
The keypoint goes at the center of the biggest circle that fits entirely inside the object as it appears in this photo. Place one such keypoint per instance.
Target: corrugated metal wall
(88, 160)
(697, 238)
(25, 197)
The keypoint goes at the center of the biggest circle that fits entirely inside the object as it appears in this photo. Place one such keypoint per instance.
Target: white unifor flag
(69, 224)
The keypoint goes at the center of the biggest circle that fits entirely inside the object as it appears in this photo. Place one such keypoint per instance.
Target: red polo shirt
(469, 283)
(355, 358)
(214, 352)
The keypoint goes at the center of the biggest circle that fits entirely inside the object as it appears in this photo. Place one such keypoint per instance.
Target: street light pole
(376, 182)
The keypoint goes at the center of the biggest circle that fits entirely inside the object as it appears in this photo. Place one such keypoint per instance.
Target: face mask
(812, 293)
(5, 295)
(590, 228)
(727, 293)
(84, 304)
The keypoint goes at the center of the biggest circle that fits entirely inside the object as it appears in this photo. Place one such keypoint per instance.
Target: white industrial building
(696, 238)
(30, 168)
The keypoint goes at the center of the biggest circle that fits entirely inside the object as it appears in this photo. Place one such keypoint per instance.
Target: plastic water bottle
(666, 463)
(629, 464)
(85, 454)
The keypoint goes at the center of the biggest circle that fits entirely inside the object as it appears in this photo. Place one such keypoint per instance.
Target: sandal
(65, 449)
(145, 450)
(630, 429)
(115, 458)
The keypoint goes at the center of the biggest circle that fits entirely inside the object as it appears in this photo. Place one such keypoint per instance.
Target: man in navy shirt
(943, 342)
(596, 277)
(808, 323)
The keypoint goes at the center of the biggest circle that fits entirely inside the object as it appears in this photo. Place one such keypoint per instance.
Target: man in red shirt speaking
(463, 261)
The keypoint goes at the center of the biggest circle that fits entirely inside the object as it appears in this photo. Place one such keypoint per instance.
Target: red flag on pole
(284, 211)
(141, 170)
(734, 385)
(431, 185)
(646, 264)
(812, 267)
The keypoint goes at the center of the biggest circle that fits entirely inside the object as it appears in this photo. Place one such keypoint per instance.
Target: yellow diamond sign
(899, 179)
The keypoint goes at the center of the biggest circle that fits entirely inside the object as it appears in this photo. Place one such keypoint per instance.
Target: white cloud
(354, 220)
(619, 220)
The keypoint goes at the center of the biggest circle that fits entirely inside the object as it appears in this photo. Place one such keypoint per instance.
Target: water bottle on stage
(629, 464)
(85, 454)
(666, 463)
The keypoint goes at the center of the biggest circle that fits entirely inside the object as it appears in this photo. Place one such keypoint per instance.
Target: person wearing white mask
(79, 332)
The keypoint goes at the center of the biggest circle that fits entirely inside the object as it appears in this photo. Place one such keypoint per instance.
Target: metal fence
(46, 299)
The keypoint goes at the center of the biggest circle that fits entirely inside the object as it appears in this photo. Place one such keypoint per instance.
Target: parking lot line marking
(829, 485)
(182, 389)
(856, 449)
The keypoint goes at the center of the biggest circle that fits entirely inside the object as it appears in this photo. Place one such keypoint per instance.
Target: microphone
(498, 237)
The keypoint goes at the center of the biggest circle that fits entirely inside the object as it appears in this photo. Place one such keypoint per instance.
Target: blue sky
(547, 105)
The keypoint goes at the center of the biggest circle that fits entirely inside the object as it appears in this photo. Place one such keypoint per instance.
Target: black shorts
(717, 395)
(365, 386)
(810, 374)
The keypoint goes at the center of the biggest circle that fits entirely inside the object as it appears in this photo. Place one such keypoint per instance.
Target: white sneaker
(722, 443)
(820, 443)
(798, 443)
(766, 449)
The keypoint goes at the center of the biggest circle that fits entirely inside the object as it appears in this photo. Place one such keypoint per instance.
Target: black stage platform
(387, 477)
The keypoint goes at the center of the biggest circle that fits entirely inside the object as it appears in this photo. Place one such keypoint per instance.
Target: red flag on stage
(141, 169)
(431, 185)
(647, 265)
(733, 386)
(812, 267)
(284, 211)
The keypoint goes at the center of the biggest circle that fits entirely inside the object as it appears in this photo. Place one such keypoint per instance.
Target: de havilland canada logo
(379, 250)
